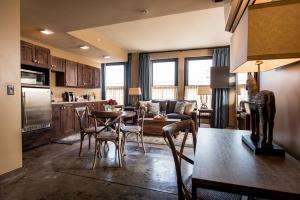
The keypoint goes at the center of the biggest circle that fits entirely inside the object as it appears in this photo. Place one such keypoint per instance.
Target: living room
(194, 99)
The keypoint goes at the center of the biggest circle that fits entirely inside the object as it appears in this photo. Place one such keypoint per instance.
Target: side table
(205, 114)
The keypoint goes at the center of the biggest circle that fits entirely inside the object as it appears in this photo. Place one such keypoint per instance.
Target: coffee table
(154, 126)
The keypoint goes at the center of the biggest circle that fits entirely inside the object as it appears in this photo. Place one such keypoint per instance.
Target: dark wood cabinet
(58, 64)
(68, 119)
(97, 80)
(42, 56)
(80, 76)
(71, 74)
(27, 53)
(34, 55)
(88, 76)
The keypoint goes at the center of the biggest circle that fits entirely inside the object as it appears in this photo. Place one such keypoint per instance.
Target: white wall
(10, 106)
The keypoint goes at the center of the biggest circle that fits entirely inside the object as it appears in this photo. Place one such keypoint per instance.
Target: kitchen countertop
(73, 102)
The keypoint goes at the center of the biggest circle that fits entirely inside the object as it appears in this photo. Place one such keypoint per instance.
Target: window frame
(112, 64)
(166, 60)
(186, 66)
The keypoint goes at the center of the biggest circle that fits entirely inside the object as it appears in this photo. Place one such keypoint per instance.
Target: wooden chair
(82, 114)
(109, 133)
(185, 186)
(136, 129)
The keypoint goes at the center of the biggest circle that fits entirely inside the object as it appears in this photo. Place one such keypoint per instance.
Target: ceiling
(196, 29)
(63, 16)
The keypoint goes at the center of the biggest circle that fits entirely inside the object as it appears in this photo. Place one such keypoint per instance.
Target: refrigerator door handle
(23, 108)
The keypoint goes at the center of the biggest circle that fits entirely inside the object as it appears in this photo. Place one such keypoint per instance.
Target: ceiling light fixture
(46, 31)
(106, 57)
(84, 47)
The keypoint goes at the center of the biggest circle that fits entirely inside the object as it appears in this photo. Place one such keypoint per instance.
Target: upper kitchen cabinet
(80, 77)
(97, 79)
(27, 53)
(88, 76)
(34, 55)
(69, 77)
(71, 74)
(58, 64)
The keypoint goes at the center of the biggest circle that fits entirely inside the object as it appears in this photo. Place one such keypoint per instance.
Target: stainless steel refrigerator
(36, 108)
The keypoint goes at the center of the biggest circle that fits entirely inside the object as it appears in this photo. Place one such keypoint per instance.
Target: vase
(110, 107)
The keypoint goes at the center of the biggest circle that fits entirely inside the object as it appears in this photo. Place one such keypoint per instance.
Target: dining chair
(82, 114)
(185, 186)
(137, 129)
(110, 132)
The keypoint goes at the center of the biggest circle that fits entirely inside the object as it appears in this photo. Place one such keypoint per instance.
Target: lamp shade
(203, 90)
(267, 32)
(135, 91)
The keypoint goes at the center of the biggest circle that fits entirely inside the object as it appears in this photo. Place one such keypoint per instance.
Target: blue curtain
(220, 97)
(145, 76)
(127, 78)
(103, 86)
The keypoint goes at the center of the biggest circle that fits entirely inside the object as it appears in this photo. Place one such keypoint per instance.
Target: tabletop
(224, 163)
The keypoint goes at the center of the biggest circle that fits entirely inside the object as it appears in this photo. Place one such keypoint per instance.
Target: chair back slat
(169, 132)
(81, 113)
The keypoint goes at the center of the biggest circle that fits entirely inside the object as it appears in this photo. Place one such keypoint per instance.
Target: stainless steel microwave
(33, 77)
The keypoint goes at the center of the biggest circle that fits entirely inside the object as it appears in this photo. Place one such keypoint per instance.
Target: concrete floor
(55, 171)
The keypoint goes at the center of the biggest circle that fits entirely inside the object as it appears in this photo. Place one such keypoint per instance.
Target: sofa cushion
(189, 108)
(162, 105)
(153, 108)
(144, 104)
(179, 107)
(171, 106)
(149, 115)
(178, 116)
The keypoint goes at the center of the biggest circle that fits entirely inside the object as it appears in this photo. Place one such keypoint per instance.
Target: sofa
(167, 107)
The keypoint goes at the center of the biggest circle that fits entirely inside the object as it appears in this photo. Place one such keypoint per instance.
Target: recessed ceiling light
(144, 11)
(84, 47)
(106, 57)
(46, 31)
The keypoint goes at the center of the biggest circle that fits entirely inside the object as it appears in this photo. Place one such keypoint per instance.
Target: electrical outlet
(10, 90)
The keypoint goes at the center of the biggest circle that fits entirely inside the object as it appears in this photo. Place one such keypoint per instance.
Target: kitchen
(54, 83)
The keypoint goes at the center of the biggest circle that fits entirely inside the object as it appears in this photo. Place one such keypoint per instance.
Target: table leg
(194, 191)
(199, 119)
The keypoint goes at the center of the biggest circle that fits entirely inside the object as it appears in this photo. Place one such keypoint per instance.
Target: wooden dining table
(222, 162)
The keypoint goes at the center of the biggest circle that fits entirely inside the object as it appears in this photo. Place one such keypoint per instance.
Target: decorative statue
(262, 106)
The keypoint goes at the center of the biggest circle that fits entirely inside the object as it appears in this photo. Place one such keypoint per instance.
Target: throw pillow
(144, 104)
(179, 107)
(189, 108)
(153, 108)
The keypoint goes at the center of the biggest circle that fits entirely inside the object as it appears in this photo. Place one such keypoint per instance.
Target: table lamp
(266, 38)
(204, 91)
(134, 92)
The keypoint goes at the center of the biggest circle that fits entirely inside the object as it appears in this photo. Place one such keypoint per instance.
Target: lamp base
(259, 149)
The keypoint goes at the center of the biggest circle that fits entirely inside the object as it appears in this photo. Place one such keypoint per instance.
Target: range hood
(268, 32)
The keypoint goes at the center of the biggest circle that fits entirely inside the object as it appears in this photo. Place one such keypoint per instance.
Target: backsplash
(58, 91)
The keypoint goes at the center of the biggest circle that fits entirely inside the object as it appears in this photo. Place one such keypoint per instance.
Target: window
(197, 74)
(114, 82)
(242, 94)
(164, 79)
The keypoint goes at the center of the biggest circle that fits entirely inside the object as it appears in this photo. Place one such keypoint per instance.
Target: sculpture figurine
(262, 107)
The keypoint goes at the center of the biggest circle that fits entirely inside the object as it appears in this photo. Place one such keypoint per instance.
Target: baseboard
(12, 176)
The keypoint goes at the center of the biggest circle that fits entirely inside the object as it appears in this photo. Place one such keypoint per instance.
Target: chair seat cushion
(178, 116)
(107, 135)
(92, 129)
(132, 129)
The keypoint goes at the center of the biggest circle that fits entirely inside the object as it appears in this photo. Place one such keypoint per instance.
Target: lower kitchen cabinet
(64, 123)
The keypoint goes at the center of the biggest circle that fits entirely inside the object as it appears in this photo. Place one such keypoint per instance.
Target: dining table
(223, 162)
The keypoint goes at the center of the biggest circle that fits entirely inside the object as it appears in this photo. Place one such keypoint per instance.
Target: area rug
(69, 140)
(157, 140)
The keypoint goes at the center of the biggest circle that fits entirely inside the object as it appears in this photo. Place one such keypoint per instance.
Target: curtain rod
(184, 49)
